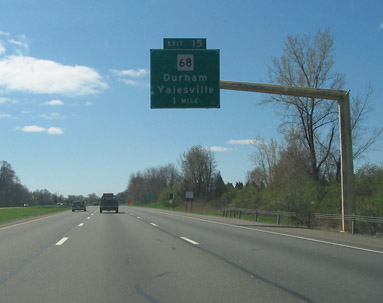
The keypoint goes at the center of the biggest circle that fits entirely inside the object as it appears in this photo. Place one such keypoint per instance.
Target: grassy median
(18, 213)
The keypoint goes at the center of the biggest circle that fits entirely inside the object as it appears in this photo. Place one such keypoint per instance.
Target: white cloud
(52, 116)
(130, 82)
(54, 103)
(2, 49)
(4, 115)
(380, 27)
(88, 103)
(28, 74)
(220, 149)
(21, 46)
(129, 76)
(55, 131)
(243, 142)
(4, 33)
(33, 129)
(4, 100)
(39, 129)
(132, 73)
(18, 44)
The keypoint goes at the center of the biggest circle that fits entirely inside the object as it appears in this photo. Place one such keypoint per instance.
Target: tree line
(198, 174)
(13, 193)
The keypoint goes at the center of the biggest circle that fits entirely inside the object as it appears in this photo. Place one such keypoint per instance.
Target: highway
(145, 255)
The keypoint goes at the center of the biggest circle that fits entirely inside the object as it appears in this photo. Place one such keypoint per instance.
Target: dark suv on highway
(78, 205)
(108, 202)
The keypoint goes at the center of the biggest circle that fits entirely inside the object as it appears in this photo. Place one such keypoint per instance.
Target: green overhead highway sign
(184, 78)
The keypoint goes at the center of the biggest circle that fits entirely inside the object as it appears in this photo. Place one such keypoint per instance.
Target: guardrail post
(278, 218)
(256, 215)
(239, 214)
(353, 224)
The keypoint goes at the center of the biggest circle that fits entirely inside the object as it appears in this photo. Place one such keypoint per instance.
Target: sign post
(184, 75)
(171, 200)
(189, 196)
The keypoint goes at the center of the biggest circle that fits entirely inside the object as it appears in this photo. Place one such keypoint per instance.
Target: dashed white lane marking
(138, 217)
(88, 218)
(62, 241)
(189, 240)
(153, 224)
(81, 224)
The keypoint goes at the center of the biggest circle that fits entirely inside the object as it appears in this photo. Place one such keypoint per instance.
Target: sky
(75, 114)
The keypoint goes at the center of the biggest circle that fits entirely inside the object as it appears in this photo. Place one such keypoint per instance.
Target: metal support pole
(347, 169)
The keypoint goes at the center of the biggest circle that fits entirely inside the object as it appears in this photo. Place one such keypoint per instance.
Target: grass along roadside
(18, 213)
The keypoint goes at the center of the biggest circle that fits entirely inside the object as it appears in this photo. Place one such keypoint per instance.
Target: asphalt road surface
(144, 255)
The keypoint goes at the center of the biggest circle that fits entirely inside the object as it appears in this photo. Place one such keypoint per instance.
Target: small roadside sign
(189, 195)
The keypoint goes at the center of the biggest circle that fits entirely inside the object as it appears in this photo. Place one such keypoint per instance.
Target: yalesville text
(196, 89)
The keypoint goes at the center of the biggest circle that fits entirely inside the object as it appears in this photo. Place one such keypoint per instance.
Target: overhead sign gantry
(186, 75)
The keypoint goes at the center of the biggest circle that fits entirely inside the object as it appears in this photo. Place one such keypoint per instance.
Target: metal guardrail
(238, 212)
(349, 218)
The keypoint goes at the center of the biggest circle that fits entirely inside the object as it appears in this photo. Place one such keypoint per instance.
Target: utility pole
(343, 99)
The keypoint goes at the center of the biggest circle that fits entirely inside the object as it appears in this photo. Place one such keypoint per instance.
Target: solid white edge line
(278, 234)
(62, 241)
(30, 221)
(189, 240)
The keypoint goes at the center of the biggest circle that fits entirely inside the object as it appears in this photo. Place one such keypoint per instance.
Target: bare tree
(275, 162)
(308, 62)
(136, 188)
(265, 158)
(151, 182)
(364, 139)
(8, 181)
(198, 171)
